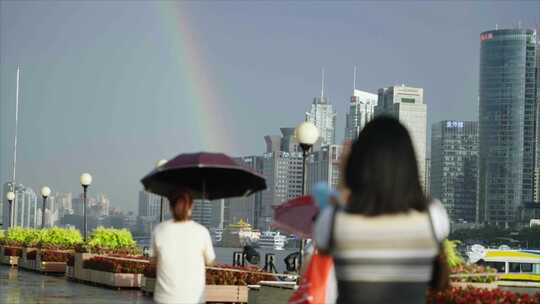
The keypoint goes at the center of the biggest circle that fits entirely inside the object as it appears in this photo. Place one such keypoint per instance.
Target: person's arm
(322, 230)
(208, 251)
(154, 254)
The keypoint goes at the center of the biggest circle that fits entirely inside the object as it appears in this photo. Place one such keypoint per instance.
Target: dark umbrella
(209, 175)
(296, 216)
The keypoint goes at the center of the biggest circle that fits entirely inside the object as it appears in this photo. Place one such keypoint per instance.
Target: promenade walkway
(23, 287)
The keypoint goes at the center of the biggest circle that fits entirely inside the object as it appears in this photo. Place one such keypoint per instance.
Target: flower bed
(236, 275)
(54, 256)
(12, 251)
(480, 296)
(472, 273)
(115, 265)
(224, 283)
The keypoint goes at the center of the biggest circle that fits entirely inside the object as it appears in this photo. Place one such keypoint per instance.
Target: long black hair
(382, 172)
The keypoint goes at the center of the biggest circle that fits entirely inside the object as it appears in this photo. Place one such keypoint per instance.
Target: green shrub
(110, 238)
(452, 255)
(16, 236)
(33, 237)
(60, 237)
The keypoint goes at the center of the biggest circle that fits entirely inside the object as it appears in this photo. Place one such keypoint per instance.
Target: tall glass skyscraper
(509, 75)
(454, 167)
(361, 111)
(323, 115)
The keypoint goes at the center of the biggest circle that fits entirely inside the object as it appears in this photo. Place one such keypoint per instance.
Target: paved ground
(23, 287)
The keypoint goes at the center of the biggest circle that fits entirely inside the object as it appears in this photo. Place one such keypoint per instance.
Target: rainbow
(208, 119)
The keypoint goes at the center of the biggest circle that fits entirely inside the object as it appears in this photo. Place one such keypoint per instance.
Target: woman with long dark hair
(182, 248)
(387, 236)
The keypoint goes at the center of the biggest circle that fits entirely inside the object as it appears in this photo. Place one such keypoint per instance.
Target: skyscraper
(323, 115)
(245, 208)
(508, 98)
(323, 166)
(281, 165)
(407, 105)
(149, 204)
(25, 207)
(454, 167)
(283, 173)
(361, 111)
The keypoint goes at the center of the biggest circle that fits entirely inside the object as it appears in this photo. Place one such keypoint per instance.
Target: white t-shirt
(182, 250)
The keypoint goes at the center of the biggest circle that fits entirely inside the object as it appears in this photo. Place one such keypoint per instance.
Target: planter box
(120, 280)
(148, 285)
(69, 272)
(79, 272)
(26, 263)
(8, 260)
(226, 293)
(475, 285)
(50, 267)
(214, 293)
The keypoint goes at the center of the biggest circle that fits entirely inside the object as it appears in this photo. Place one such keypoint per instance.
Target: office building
(149, 204)
(323, 115)
(208, 213)
(25, 207)
(508, 125)
(407, 104)
(361, 111)
(323, 166)
(454, 168)
(245, 208)
(283, 173)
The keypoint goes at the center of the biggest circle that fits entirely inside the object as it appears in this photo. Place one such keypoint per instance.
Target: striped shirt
(382, 259)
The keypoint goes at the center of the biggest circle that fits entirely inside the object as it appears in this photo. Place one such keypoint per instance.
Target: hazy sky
(111, 87)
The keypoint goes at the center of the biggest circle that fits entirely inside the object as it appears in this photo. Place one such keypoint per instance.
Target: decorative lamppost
(45, 192)
(10, 197)
(86, 180)
(159, 164)
(307, 135)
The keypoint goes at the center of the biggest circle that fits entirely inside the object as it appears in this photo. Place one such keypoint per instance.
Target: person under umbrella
(182, 247)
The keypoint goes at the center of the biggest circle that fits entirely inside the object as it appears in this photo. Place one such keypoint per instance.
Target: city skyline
(85, 106)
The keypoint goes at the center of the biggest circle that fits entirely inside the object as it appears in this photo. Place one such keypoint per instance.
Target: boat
(272, 239)
(511, 264)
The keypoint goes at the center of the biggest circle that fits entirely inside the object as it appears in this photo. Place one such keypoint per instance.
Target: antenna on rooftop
(354, 78)
(322, 84)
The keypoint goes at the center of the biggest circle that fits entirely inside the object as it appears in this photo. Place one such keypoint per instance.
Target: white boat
(272, 239)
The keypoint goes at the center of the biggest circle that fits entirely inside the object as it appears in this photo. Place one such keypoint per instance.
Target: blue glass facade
(507, 123)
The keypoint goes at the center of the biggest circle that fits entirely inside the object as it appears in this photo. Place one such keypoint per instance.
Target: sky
(110, 87)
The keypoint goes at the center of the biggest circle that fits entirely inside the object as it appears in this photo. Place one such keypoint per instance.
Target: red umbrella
(209, 175)
(296, 216)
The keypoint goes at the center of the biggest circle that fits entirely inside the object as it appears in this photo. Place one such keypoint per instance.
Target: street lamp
(159, 164)
(10, 197)
(307, 135)
(45, 192)
(86, 180)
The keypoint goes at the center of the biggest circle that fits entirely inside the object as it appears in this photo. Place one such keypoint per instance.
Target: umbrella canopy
(208, 175)
(296, 216)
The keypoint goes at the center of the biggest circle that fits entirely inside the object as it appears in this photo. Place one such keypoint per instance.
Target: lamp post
(307, 135)
(10, 197)
(45, 192)
(159, 164)
(86, 180)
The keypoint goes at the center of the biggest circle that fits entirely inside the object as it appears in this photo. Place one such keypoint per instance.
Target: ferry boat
(272, 239)
(513, 265)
